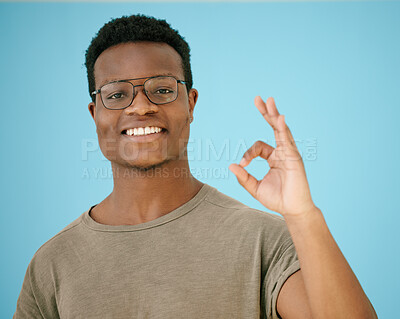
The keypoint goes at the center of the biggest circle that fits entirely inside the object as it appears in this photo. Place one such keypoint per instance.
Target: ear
(92, 110)
(192, 99)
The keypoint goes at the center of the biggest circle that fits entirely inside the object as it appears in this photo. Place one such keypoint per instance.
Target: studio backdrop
(332, 67)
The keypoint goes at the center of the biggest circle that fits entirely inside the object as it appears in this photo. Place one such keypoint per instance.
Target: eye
(163, 91)
(115, 96)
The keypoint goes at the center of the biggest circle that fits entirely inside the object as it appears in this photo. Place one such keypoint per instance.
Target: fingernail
(242, 161)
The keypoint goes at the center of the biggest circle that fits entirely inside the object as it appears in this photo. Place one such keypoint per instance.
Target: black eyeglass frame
(133, 88)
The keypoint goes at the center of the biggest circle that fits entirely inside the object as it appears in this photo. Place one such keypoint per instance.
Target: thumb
(245, 179)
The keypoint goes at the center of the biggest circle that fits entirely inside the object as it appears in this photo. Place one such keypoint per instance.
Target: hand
(284, 189)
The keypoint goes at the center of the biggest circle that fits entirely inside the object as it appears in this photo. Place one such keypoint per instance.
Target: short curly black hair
(136, 28)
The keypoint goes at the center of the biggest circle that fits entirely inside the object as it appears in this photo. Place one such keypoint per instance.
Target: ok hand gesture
(284, 189)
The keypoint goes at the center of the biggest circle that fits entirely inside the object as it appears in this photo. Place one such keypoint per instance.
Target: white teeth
(143, 130)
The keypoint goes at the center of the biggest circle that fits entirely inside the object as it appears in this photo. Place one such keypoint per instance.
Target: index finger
(259, 148)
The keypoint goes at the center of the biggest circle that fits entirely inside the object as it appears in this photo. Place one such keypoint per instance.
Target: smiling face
(114, 127)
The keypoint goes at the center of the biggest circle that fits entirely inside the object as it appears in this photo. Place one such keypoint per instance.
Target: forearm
(332, 288)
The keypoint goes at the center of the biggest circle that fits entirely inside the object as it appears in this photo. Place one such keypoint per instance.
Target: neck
(141, 195)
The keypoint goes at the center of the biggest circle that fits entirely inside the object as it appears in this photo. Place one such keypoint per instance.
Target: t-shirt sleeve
(36, 299)
(26, 304)
(282, 266)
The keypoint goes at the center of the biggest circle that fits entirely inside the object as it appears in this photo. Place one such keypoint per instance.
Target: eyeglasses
(119, 95)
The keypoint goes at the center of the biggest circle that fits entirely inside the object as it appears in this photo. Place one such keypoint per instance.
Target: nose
(141, 105)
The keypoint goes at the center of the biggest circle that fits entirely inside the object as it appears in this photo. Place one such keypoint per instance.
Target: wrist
(303, 217)
(309, 224)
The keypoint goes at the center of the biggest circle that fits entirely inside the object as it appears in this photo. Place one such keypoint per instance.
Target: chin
(146, 166)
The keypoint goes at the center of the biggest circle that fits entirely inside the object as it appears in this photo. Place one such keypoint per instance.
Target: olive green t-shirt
(212, 257)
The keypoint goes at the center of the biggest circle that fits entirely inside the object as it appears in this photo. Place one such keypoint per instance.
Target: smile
(140, 131)
(148, 134)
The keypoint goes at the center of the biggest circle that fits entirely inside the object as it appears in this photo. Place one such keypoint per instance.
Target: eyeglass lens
(159, 90)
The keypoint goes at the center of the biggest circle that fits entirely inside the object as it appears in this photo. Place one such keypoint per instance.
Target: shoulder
(46, 255)
(218, 203)
(224, 203)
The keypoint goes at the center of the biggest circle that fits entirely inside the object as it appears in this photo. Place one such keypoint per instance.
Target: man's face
(141, 60)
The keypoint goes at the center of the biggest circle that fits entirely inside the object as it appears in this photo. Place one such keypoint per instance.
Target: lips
(149, 138)
(139, 130)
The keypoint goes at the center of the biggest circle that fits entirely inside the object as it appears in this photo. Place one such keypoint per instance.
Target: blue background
(332, 67)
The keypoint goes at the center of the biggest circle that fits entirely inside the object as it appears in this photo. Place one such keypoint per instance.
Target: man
(165, 245)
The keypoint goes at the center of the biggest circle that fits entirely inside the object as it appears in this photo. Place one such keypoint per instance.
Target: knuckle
(257, 145)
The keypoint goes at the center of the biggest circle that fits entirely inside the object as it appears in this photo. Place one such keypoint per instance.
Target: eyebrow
(141, 78)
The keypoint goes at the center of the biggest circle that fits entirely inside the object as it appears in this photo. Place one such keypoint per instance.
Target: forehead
(136, 60)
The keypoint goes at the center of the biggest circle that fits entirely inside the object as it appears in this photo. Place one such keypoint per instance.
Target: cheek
(106, 133)
(184, 124)
(105, 123)
(182, 116)
(184, 132)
